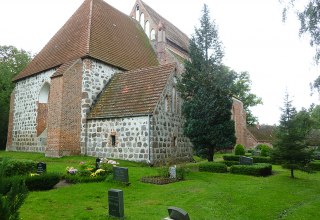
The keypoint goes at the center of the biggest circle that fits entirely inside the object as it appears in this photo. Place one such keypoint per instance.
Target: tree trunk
(210, 154)
(292, 176)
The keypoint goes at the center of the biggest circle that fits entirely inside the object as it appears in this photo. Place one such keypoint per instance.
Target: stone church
(105, 85)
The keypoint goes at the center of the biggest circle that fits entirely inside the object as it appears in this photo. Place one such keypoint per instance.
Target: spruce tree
(290, 148)
(206, 89)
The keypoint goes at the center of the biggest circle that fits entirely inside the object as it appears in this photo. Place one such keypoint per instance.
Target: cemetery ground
(203, 195)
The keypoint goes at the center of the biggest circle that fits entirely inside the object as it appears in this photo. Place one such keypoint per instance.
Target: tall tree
(242, 91)
(290, 148)
(206, 87)
(12, 61)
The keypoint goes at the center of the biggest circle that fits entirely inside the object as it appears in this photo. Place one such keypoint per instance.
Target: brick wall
(9, 146)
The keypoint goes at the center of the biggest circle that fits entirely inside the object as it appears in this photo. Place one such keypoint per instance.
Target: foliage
(239, 149)
(258, 169)
(290, 147)
(12, 195)
(14, 167)
(213, 167)
(231, 157)
(229, 163)
(206, 90)
(12, 61)
(314, 165)
(265, 149)
(242, 91)
(45, 181)
(257, 159)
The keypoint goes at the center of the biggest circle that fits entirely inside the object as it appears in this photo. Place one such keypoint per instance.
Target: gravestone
(178, 213)
(98, 160)
(121, 174)
(256, 153)
(41, 167)
(317, 155)
(115, 203)
(173, 172)
(245, 160)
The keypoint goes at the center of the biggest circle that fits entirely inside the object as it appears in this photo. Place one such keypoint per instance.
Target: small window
(147, 29)
(166, 103)
(113, 140)
(137, 13)
(173, 100)
(153, 34)
(174, 141)
(142, 20)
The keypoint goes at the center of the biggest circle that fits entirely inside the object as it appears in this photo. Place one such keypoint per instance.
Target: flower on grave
(71, 170)
(99, 172)
(34, 174)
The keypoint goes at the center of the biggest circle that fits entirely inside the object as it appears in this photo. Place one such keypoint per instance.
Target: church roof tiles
(99, 31)
(132, 93)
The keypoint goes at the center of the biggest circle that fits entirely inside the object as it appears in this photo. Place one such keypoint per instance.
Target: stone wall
(95, 76)
(169, 145)
(131, 138)
(24, 123)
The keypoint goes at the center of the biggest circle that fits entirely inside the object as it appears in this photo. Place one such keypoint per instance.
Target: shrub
(83, 179)
(259, 169)
(44, 181)
(13, 167)
(239, 149)
(230, 163)
(230, 157)
(264, 150)
(314, 165)
(213, 167)
(257, 159)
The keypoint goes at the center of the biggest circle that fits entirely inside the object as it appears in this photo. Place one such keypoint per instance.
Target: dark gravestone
(98, 160)
(245, 160)
(121, 174)
(256, 153)
(115, 203)
(317, 155)
(41, 167)
(177, 213)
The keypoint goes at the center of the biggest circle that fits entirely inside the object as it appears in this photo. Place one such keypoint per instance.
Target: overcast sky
(252, 32)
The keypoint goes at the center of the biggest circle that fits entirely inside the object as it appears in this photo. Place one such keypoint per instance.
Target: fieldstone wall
(95, 76)
(24, 123)
(169, 145)
(131, 138)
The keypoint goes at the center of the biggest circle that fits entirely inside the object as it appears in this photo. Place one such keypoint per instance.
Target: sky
(252, 32)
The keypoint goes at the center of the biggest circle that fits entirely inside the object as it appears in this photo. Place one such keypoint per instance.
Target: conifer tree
(206, 89)
(290, 148)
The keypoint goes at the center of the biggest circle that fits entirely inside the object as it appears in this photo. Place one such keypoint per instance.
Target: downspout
(149, 138)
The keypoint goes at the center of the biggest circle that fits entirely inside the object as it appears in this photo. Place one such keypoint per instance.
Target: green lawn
(202, 195)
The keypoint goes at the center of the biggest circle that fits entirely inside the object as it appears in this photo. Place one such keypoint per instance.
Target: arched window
(173, 100)
(166, 100)
(153, 34)
(137, 13)
(147, 28)
(142, 20)
(44, 93)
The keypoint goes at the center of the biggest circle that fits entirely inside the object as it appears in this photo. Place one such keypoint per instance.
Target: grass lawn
(202, 195)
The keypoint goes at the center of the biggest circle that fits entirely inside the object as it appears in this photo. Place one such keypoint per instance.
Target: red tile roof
(172, 32)
(132, 93)
(99, 31)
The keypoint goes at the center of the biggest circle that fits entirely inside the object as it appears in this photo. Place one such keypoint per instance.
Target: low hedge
(258, 169)
(83, 179)
(314, 165)
(213, 167)
(14, 167)
(231, 157)
(230, 163)
(260, 159)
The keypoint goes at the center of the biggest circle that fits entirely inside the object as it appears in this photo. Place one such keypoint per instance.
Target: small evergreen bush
(213, 167)
(265, 150)
(314, 165)
(259, 169)
(239, 149)
(13, 167)
(44, 181)
(257, 159)
(231, 157)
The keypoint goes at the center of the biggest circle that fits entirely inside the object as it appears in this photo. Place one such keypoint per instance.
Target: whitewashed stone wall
(169, 144)
(95, 76)
(132, 138)
(24, 135)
